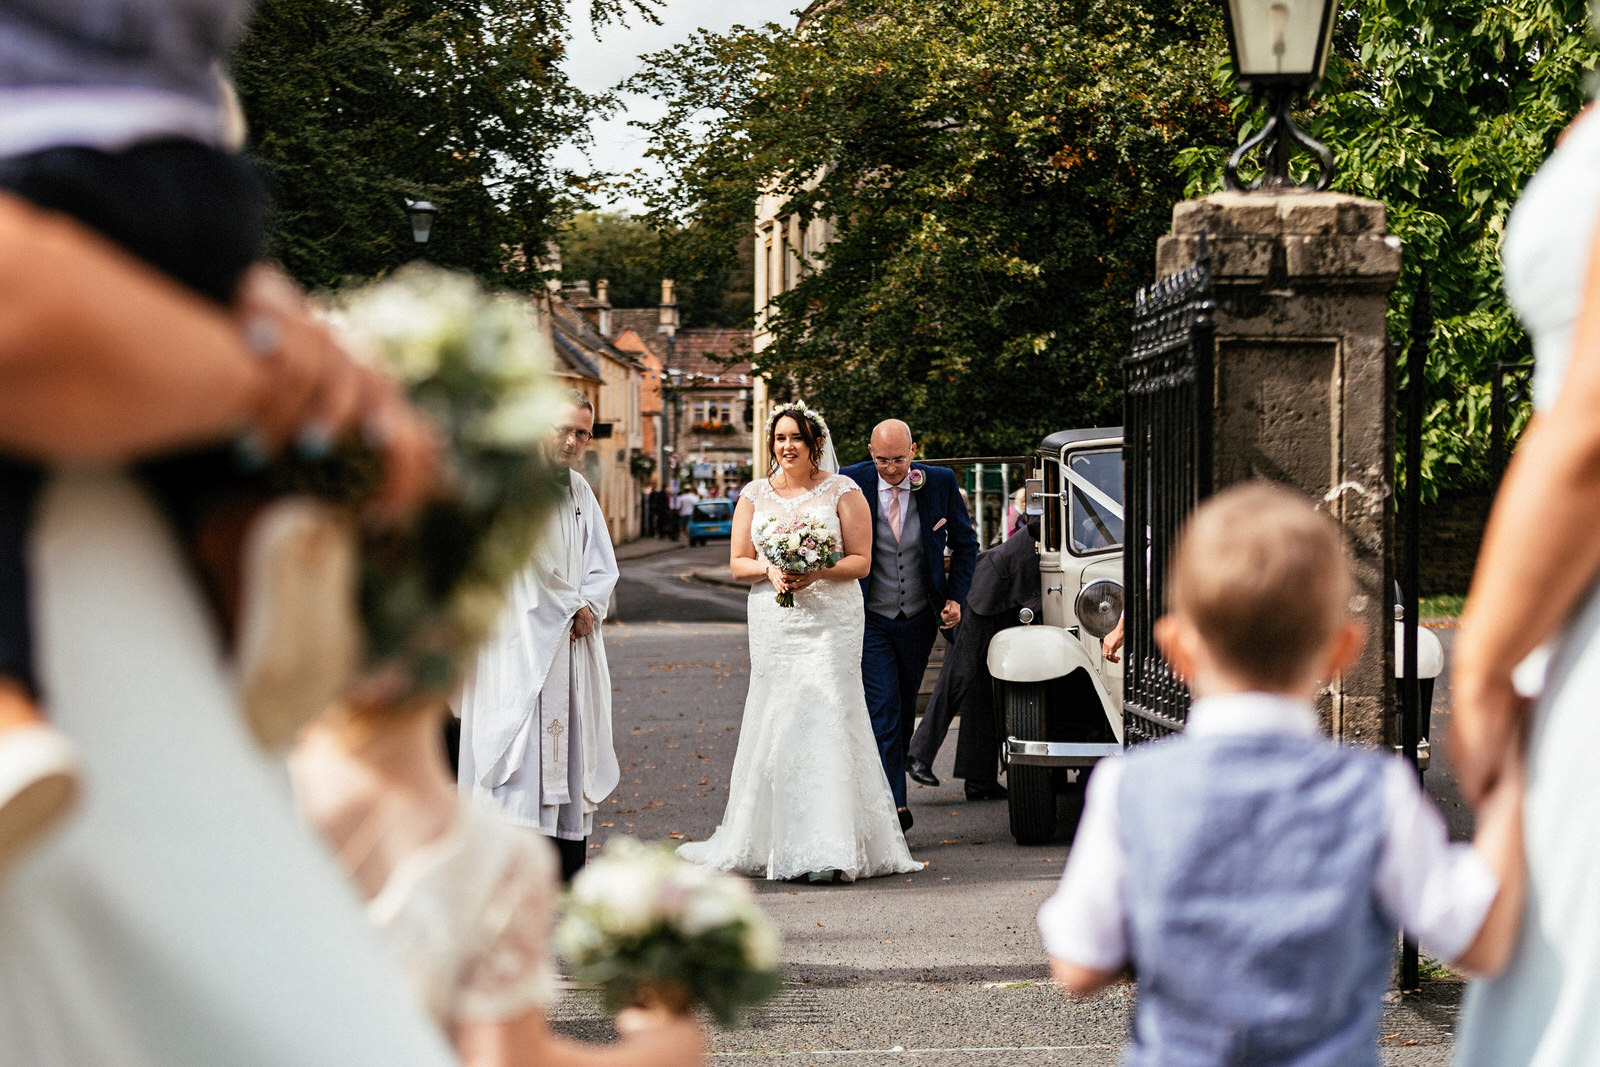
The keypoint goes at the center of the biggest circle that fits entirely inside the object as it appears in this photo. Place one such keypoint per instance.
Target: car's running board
(1058, 753)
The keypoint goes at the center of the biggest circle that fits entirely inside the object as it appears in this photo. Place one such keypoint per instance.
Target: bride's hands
(790, 581)
(798, 580)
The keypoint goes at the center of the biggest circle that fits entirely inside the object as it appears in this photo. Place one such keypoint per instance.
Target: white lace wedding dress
(807, 792)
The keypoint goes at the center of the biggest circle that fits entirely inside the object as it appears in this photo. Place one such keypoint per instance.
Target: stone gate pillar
(1304, 387)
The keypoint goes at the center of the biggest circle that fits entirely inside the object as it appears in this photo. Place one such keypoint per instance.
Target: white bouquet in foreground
(800, 544)
(476, 361)
(652, 930)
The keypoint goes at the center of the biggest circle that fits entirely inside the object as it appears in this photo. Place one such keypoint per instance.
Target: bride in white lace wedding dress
(807, 796)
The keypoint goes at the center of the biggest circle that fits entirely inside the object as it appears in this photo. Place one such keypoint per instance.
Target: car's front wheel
(1032, 798)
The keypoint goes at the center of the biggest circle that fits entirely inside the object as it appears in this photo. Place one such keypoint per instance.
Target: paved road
(942, 967)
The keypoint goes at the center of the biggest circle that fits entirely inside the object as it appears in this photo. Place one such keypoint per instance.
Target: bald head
(891, 435)
(892, 450)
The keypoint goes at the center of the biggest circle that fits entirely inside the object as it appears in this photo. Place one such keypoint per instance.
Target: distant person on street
(536, 714)
(686, 502)
(916, 511)
(1250, 871)
(665, 517)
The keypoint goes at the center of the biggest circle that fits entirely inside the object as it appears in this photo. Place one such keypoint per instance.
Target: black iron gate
(1167, 464)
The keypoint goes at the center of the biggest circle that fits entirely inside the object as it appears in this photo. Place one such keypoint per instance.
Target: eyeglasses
(890, 461)
(583, 437)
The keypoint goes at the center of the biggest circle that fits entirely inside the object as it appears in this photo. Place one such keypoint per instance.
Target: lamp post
(421, 213)
(1280, 49)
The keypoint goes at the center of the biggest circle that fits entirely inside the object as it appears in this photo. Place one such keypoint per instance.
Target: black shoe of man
(905, 818)
(918, 771)
(986, 791)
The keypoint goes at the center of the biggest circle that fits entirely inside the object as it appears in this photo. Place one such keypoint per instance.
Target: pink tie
(894, 510)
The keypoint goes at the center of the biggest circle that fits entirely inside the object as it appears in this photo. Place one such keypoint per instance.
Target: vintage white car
(1059, 700)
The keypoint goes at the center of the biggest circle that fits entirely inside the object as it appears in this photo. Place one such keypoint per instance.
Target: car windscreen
(718, 512)
(1094, 499)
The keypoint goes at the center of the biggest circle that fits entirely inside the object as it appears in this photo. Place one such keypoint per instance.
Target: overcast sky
(598, 65)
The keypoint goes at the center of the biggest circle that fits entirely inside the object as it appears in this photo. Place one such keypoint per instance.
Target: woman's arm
(526, 1041)
(105, 359)
(1499, 841)
(102, 358)
(855, 521)
(1539, 555)
(743, 561)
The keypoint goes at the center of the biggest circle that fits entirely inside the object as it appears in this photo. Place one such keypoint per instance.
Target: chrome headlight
(1100, 606)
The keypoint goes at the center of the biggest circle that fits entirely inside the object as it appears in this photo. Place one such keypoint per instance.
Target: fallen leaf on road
(819, 924)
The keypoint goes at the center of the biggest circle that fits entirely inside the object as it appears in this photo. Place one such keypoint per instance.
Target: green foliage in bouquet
(648, 928)
(477, 364)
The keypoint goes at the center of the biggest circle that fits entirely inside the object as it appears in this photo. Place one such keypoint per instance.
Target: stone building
(613, 380)
(706, 389)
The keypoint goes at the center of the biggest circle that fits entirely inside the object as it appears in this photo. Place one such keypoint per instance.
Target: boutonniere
(916, 479)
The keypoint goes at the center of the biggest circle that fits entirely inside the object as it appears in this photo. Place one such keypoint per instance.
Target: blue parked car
(710, 518)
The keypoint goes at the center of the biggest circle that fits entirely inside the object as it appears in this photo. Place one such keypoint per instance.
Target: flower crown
(797, 407)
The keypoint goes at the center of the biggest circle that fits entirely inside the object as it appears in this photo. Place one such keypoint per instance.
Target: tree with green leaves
(357, 106)
(995, 175)
(1443, 112)
(634, 258)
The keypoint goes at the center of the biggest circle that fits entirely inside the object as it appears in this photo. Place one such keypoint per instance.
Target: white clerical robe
(536, 713)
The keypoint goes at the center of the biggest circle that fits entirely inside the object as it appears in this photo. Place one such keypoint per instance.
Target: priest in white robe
(536, 713)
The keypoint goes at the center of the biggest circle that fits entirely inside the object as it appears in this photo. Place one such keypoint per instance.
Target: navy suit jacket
(944, 518)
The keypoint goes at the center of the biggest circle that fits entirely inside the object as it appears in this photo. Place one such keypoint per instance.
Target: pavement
(942, 967)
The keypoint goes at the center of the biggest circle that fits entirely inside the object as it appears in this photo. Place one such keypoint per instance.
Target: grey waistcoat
(898, 585)
(1252, 918)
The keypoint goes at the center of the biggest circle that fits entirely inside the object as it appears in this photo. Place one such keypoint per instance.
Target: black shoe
(905, 818)
(986, 791)
(918, 771)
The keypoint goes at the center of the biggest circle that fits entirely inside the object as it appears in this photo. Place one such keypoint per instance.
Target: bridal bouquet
(654, 931)
(476, 362)
(800, 544)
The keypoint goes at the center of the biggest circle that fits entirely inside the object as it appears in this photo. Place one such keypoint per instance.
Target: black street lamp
(422, 215)
(1280, 49)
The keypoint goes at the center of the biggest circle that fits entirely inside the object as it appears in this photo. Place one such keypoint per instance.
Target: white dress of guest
(807, 793)
(185, 917)
(536, 712)
(1542, 1009)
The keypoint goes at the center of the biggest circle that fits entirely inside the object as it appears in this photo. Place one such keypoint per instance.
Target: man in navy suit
(916, 511)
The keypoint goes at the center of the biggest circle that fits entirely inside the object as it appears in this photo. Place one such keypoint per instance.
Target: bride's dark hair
(809, 433)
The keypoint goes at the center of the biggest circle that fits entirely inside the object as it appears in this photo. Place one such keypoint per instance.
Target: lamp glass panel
(1279, 36)
(421, 226)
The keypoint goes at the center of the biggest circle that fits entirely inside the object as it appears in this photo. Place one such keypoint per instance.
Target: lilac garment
(110, 73)
(153, 44)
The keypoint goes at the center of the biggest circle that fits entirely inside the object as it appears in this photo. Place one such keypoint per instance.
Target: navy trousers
(894, 653)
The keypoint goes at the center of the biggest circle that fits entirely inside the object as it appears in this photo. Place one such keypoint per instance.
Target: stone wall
(1304, 387)
(1452, 531)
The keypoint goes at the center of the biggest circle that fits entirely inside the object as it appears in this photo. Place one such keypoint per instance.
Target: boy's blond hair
(1262, 575)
